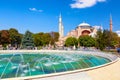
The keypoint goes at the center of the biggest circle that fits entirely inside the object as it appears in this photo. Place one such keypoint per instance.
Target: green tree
(37, 39)
(42, 39)
(15, 37)
(114, 39)
(86, 41)
(27, 41)
(106, 39)
(71, 41)
(100, 40)
(46, 39)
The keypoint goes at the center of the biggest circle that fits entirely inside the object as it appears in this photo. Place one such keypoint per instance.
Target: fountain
(30, 64)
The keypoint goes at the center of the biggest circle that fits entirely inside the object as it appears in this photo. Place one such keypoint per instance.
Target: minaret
(61, 27)
(111, 23)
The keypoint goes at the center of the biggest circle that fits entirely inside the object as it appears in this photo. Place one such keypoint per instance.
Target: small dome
(84, 24)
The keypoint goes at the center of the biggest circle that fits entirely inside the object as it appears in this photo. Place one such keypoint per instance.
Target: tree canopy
(4, 37)
(43, 39)
(86, 41)
(106, 39)
(102, 40)
(71, 41)
(27, 41)
(15, 37)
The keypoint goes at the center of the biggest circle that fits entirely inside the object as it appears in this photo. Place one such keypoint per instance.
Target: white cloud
(101, 0)
(85, 3)
(34, 9)
(118, 32)
(98, 27)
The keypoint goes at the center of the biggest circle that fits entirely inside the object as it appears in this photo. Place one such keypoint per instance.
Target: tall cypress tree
(27, 41)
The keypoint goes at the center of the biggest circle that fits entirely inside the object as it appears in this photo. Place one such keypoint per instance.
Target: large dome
(84, 24)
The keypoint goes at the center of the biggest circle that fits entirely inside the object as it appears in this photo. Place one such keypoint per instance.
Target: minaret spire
(61, 28)
(111, 23)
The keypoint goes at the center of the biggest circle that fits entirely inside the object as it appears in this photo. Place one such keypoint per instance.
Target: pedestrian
(118, 50)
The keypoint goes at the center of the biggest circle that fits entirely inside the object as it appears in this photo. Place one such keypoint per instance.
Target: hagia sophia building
(82, 29)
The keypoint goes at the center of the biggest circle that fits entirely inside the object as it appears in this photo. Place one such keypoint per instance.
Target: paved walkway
(75, 76)
(110, 72)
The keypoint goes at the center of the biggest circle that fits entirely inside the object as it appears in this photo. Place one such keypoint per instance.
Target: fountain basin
(22, 64)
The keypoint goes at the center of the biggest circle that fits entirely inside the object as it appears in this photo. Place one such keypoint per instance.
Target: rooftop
(84, 24)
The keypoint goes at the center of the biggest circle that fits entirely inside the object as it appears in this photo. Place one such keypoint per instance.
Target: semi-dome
(84, 24)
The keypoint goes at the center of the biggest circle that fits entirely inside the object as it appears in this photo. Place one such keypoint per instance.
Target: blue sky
(42, 15)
